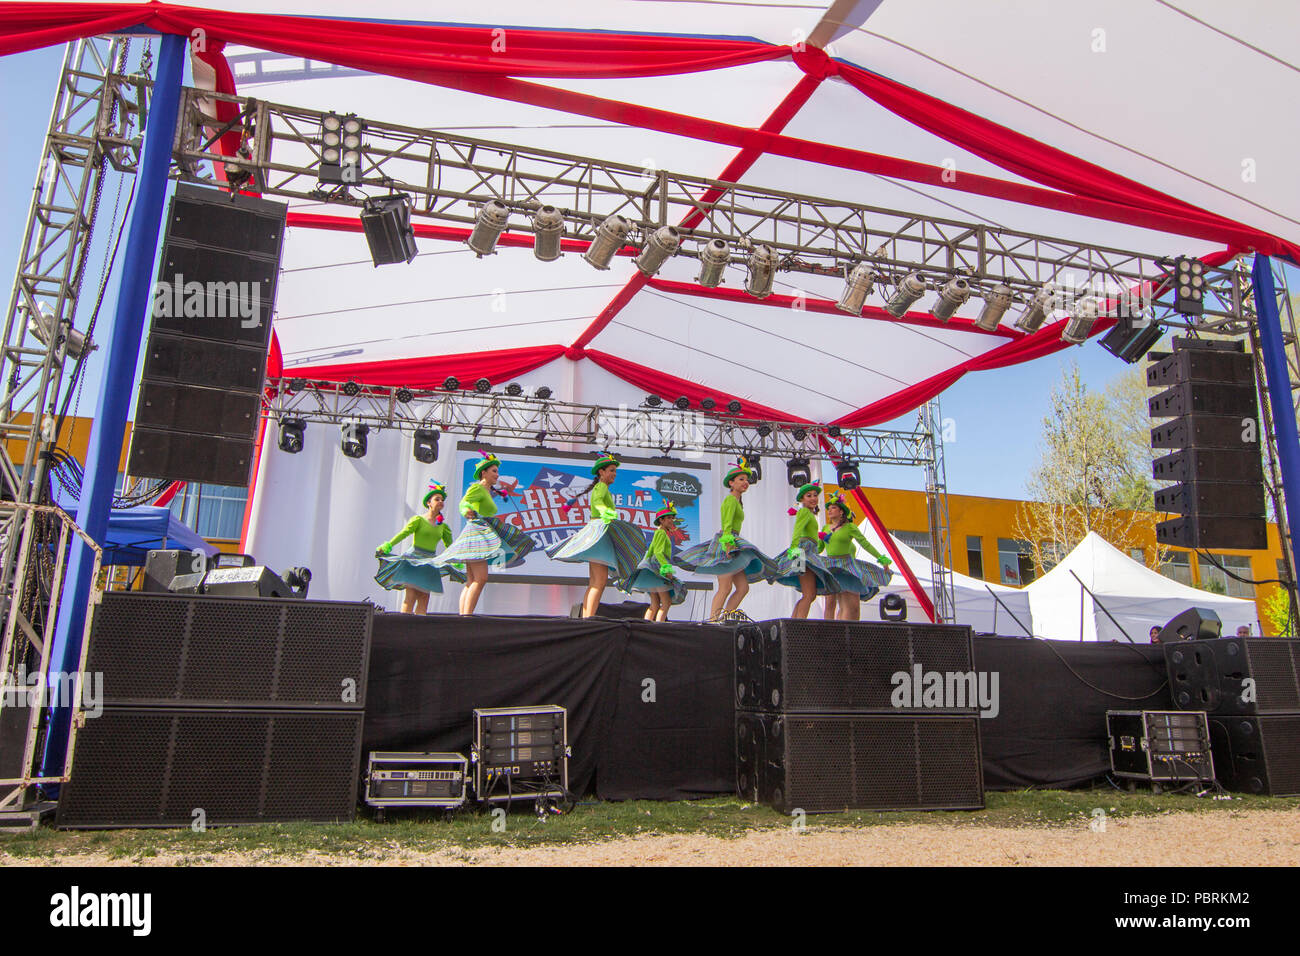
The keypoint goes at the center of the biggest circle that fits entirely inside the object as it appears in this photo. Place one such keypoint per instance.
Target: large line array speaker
(249, 710)
(1250, 687)
(1213, 443)
(205, 361)
(821, 725)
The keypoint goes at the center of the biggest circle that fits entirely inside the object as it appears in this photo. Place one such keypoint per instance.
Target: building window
(1214, 579)
(214, 511)
(1178, 567)
(1052, 553)
(1138, 554)
(918, 541)
(1015, 563)
(975, 556)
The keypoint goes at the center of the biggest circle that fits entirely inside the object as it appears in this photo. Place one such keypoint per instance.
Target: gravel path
(1229, 838)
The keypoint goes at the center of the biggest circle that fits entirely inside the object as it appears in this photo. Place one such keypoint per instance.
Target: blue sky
(996, 416)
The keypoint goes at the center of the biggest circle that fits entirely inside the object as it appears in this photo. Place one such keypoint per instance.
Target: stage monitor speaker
(250, 581)
(163, 566)
(1196, 623)
(1258, 754)
(171, 649)
(1235, 675)
(825, 763)
(170, 766)
(834, 666)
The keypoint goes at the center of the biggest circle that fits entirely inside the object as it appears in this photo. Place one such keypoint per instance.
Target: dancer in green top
(654, 574)
(801, 565)
(858, 580)
(415, 570)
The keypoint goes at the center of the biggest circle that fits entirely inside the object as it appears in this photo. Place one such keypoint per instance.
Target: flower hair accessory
(738, 468)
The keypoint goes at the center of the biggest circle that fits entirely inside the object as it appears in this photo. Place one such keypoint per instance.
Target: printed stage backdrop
(540, 482)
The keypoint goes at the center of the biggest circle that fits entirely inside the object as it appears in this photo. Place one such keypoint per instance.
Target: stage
(651, 706)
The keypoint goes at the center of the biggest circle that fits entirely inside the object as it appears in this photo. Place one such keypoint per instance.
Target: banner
(539, 482)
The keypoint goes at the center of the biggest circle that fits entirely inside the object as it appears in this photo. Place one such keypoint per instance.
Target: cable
(1085, 682)
(1236, 577)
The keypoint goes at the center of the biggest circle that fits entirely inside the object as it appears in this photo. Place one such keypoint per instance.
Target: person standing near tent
(654, 574)
(604, 542)
(486, 539)
(416, 570)
(858, 580)
(729, 557)
(801, 565)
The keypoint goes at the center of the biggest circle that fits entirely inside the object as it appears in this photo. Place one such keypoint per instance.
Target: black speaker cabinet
(162, 566)
(1194, 624)
(1258, 754)
(1213, 531)
(171, 767)
(1235, 675)
(828, 666)
(182, 650)
(824, 763)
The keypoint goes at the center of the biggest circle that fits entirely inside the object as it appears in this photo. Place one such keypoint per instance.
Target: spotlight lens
(451, 383)
(353, 125)
(1184, 266)
(330, 139)
(330, 155)
(682, 403)
(331, 122)
(482, 385)
(352, 142)
(733, 407)
(351, 157)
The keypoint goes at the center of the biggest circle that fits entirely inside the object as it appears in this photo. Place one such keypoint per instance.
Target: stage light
(1039, 307)
(426, 445)
(847, 475)
(654, 401)
(46, 329)
(762, 272)
(340, 154)
(833, 431)
(660, 246)
(754, 464)
(404, 395)
(797, 472)
(351, 389)
(764, 430)
(297, 384)
(298, 579)
(1082, 316)
(292, 435)
(514, 390)
(682, 403)
(609, 239)
(857, 287)
(733, 407)
(996, 304)
(708, 404)
(389, 233)
(451, 383)
(543, 393)
(893, 607)
(908, 291)
(952, 296)
(548, 231)
(493, 217)
(714, 258)
(354, 439)
(482, 386)
(1189, 286)
(799, 434)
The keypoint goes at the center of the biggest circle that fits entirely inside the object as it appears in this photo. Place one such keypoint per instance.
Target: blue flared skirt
(618, 545)
(646, 577)
(789, 569)
(488, 539)
(414, 569)
(713, 559)
(857, 577)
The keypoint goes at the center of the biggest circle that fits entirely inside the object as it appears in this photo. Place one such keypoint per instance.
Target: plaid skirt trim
(789, 569)
(414, 569)
(857, 577)
(618, 545)
(488, 539)
(713, 559)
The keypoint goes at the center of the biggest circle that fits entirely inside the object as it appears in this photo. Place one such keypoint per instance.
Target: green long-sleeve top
(733, 515)
(661, 547)
(602, 502)
(427, 534)
(478, 499)
(805, 526)
(841, 543)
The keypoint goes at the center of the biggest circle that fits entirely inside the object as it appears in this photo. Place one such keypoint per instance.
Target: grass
(469, 830)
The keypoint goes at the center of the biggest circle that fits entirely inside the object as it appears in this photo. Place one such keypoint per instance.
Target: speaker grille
(1275, 666)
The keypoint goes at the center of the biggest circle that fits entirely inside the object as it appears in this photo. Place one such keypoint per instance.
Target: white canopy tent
(1137, 597)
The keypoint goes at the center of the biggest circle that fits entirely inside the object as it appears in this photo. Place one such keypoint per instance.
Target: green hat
(667, 511)
(604, 461)
(435, 488)
(838, 501)
(489, 459)
(804, 489)
(739, 468)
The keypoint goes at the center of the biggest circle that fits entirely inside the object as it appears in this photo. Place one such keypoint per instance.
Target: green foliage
(1277, 614)
(1213, 585)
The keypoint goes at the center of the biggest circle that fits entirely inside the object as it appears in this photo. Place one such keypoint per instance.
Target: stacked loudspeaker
(1211, 446)
(818, 722)
(220, 710)
(205, 362)
(1250, 688)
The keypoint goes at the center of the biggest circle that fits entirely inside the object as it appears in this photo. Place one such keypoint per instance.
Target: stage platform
(651, 706)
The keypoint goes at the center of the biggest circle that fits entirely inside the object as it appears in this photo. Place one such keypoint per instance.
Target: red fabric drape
(431, 370)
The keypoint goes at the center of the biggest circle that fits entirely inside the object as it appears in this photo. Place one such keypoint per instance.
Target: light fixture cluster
(340, 149)
(682, 404)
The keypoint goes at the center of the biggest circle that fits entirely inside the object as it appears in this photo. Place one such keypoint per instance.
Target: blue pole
(121, 351)
(1279, 388)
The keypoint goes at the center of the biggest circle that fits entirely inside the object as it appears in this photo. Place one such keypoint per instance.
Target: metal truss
(450, 177)
(496, 416)
(936, 500)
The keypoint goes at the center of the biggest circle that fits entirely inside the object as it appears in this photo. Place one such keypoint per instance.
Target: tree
(1093, 473)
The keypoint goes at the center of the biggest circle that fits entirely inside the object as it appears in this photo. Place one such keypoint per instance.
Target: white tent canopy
(1137, 597)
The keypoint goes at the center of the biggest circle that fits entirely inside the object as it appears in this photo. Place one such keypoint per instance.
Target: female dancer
(858, 580)
(415, 569)
(486, 538)
(604, 542)
(654, 574)
(732, 559)
(801, 567)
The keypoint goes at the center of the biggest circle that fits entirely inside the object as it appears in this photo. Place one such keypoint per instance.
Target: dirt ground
(1236, 838)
